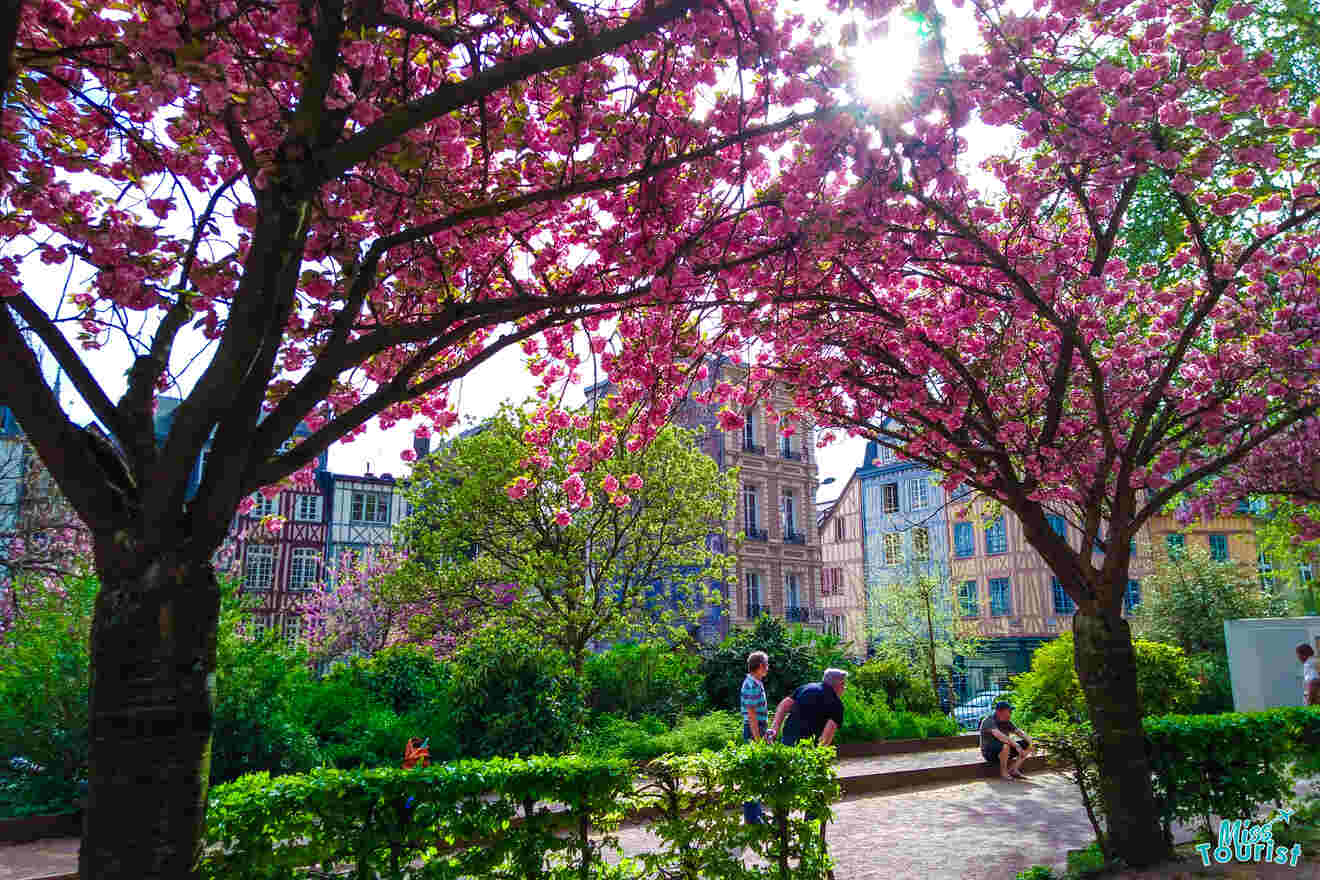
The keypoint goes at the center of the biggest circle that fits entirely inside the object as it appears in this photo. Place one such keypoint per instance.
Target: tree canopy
(630, 549)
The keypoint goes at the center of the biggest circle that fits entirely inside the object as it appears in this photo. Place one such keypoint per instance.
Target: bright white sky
(882, 69)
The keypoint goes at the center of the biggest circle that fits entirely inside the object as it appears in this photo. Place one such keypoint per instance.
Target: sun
(882, 69)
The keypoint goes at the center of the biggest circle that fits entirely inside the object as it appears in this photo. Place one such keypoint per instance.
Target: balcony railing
(754, 610)
(755, 534)
(797, 614)
(791, 537)
(748, 446)
(790, 454)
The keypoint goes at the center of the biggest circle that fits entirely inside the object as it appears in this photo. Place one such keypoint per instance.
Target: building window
(918, 494)
(750, 512)
(1219, 548)
(308, 509)
(370, 507)
(749, 431)
(1176, 544)
(893, 548)
(258, 566)
(1265, 568)
(792, 596)
(889, 498)
(259, 624)
(885, 455)
(968, 603)
(826, 577)
(1063, 603)
(836, 626)
(840, 529)
(1098, 547)
(788, 509)
(264, 506)
(1304, 572)
(293, 629)
(1132, 596)
(921, 544)
(754, 608)
(964, 540)
(1001, 600)
(1058, 525)
(304, 568)
(786, 445)
(996, 537)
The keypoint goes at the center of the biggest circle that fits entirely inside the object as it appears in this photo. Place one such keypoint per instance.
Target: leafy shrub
(1216, 695)
(1037, 872)
(1087, 862)
(44, 663)
(1166, 681)
(793, 663)
(512, 696)
(648, 679)
(866, 718)
(1203, 765)
(36, 794)
(649, 738)
(898, 681)
(405, 677)
(385, 822)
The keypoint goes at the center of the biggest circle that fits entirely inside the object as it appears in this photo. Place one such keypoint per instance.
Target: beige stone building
(843, 590)
(779, 557)
(773, 537)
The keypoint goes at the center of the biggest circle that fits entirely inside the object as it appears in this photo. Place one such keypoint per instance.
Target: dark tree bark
(1107, 668)
(153, 676)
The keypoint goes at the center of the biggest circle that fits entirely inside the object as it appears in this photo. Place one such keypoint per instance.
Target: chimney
(421, 446)
(368, 469)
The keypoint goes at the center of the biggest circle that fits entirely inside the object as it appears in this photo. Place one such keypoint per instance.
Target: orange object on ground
(414, 754)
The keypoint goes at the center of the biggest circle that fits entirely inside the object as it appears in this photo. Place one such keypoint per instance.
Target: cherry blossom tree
(363, 609)
(985, 323)
(277, 205)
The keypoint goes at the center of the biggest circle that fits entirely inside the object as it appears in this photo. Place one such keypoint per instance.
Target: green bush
(651, 737)
(261, 685)
(648, 679)
(512, 696)
(866, 718)
(898, 680)
(793, 663)
(36, 794)
(1037, 872)
(1204, 765)
(44, 663)
(386, 822)
(1166, 681)
(1216, 695)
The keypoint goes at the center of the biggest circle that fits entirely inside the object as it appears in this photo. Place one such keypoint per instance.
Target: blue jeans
(752, 812)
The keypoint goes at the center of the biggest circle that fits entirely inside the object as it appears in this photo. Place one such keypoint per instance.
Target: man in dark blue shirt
(815, 711)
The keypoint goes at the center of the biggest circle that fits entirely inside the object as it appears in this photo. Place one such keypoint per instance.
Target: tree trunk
(153, 659)
(1107, 668)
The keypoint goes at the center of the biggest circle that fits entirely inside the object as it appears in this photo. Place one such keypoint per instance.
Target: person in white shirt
(1310, 676)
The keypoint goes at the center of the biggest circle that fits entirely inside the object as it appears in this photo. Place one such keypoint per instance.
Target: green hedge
(460, 820)
(1225, 765)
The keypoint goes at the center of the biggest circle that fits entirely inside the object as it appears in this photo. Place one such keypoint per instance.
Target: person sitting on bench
(998, 746)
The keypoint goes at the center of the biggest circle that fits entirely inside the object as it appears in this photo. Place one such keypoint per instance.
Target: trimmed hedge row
(527, 818)
(1225, 765)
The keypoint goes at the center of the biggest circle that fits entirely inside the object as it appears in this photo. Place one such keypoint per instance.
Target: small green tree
(628, 556)
(913, 618)
(1188, 598)
(1166, 681)
(1294, 555)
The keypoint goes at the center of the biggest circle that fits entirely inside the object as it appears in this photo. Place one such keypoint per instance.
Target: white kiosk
(1262, 660)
